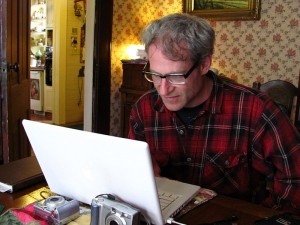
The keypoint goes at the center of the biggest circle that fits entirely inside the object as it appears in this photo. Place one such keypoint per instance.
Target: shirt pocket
(227, 172)
(227, 160)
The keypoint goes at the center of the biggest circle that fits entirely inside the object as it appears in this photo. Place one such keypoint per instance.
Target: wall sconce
(136, 52)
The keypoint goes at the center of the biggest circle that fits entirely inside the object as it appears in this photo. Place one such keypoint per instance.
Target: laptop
(82, 165)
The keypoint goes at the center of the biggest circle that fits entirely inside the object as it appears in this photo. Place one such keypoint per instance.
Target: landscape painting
(223, 4)
(223, 9)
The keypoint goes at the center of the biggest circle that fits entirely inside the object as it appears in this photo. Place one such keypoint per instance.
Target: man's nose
(164, 87)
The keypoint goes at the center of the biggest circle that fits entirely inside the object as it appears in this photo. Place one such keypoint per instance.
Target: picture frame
(215, 10)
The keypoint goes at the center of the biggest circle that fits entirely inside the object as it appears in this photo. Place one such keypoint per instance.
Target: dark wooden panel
(15, 100)
(102, 69)
(133, 86)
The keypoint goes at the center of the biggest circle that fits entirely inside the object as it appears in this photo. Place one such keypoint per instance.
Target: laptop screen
(81, 165)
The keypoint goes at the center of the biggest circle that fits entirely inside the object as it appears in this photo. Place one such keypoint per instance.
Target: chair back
(282, 93)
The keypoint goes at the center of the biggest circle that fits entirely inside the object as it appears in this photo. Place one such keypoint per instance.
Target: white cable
(172, 221)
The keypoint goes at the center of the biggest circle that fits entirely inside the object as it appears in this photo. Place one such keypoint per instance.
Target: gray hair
(176, 32)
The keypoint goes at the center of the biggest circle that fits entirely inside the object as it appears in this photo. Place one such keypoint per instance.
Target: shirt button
(181, 132)
(227, 162)
(188, 159)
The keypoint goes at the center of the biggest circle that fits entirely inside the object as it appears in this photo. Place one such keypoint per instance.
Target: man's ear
(205, 65)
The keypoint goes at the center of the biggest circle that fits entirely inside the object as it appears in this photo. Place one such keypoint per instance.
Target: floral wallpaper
(245, 51)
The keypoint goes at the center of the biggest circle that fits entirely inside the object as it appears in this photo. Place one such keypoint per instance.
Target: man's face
(175, 97)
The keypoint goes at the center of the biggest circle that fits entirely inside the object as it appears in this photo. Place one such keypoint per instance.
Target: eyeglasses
(172, 78)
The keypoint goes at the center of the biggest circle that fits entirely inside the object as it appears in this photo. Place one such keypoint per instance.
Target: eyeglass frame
(161, 76)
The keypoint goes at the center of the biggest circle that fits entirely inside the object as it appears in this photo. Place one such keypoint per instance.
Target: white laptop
(82, 165)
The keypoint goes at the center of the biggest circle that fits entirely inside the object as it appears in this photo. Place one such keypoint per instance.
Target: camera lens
(115, 219)
(54, 201)
(113, 222)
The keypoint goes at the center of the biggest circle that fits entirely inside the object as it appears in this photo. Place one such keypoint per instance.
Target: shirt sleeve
(276, 152)
(136, 127)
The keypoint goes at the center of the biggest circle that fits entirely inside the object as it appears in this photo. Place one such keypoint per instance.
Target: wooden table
(23, 197)
(219, 208)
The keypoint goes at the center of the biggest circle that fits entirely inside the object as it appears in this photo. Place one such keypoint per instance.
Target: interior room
(248, 51)
(57, 95)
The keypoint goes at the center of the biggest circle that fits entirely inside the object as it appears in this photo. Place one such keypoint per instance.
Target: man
(209, 131)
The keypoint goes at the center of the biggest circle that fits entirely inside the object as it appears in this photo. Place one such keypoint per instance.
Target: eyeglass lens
(171, 78)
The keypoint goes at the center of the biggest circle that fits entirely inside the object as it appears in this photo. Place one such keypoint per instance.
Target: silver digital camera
(57, 210)
(105, 211)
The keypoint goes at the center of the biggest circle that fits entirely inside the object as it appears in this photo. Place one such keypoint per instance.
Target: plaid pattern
(238, 138)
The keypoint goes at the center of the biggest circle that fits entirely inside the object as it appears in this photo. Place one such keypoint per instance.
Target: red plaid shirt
(239, 138)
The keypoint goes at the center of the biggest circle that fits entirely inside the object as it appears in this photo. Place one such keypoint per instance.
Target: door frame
(3, 77)
(15, 81)
(97, 80)
(101, 73)
(102, 66)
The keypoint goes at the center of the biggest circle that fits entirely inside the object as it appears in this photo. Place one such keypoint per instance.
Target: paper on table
(5, 187)
(203, 196)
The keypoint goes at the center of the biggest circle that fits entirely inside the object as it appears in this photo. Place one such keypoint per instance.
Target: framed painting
(223, 9)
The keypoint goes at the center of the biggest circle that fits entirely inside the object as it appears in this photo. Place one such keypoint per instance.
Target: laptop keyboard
(166, 199)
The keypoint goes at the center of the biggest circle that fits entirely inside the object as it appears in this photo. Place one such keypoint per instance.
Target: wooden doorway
(15, 104)
(102, 69)
(15, 74)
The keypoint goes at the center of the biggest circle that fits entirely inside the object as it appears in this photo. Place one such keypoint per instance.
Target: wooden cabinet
(38, 25)
(41, 28)
(133, 86)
